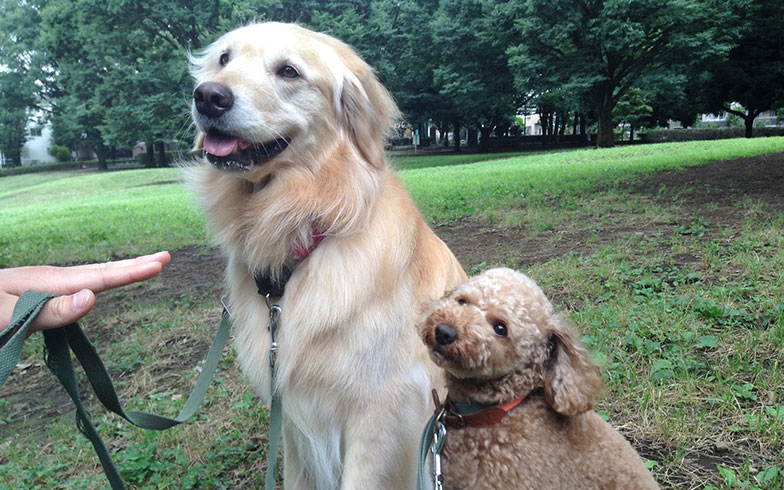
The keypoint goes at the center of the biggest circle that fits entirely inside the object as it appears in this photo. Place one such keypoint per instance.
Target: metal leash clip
(439, 434)
(274, 317)
(225, 303)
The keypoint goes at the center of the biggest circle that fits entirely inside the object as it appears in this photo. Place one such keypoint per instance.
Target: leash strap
(12, 339)
(276, 410)
(59, 342)
(275, 427)
(432, 441)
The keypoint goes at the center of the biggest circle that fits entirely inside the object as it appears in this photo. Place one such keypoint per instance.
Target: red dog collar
(462, 415)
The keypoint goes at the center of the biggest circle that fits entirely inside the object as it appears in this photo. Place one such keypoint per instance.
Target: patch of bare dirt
(33, 395)
(711, 192)
(192, 272)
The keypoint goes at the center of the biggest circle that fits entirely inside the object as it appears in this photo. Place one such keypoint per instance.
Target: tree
(633, 109)
(80, 60)
(21, 74)
(473, 71)
(752, 73)
(600, 48)
(13, 117)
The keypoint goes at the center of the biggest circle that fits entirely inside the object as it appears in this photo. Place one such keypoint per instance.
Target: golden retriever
(293, 123)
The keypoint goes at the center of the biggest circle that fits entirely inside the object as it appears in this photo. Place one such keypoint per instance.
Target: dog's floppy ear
(365, 109)
(572, 381)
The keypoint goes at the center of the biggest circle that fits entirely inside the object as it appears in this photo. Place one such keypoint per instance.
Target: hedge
(51, 167)
(667, 135)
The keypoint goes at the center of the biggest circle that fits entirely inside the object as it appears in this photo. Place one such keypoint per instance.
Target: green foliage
(472, 71)
(633, 109)
(61, 153)
(751, 73)
(111, 74)
(598, 50)
(21, 74)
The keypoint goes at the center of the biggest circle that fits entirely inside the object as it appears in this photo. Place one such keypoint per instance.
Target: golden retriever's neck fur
(268, 223)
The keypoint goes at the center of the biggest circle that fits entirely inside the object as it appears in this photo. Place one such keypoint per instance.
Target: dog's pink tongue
(219, 145)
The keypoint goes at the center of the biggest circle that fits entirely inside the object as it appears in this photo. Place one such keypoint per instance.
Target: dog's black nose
(445, 334)
(213, 99)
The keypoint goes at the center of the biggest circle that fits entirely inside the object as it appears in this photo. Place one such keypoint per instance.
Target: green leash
(59, 342)
(276, 410)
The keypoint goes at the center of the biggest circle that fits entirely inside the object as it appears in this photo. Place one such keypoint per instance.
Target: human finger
(7, 302)
(96, 277)
(162, 257)
(63, 310)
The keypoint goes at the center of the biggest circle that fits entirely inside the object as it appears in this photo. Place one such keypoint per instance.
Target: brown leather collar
(460, 416)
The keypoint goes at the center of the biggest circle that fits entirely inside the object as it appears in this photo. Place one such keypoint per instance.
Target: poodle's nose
(445, 334)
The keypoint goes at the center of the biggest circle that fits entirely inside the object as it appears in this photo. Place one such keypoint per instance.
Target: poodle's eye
(289, 72)
(224, 59)
(461, 301)
(500, 329)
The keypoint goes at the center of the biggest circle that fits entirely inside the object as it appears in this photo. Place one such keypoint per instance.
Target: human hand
(75, 286)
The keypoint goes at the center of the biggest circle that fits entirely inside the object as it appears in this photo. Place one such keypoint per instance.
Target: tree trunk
(748, 121)
(562, 128)
(472, 138)
(150, 156)
(15, 157)
(484, 147)
(100, 151)
(444, 129)
(604, 107)
(457, 134)
(605, 137)
(162, 160)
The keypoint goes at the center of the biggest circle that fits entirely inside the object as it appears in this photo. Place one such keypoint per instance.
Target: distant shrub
(400, 141)
(666, 135)
(41, 167)
(144, 159)
(53, 167)
(61, 153)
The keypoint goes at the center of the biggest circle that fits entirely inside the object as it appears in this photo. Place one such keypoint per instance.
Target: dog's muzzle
(228, 152)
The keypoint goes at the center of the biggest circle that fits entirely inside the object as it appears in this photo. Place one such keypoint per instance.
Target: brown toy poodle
(509, 357)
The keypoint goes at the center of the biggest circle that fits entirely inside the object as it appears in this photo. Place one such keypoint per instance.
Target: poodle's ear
(365, 108)
(573, 382)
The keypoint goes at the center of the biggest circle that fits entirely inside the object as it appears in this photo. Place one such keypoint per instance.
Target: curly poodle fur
(498, 338)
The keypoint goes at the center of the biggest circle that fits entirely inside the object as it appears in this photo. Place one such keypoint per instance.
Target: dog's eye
(500, 329)
(289, 72)
(224, 59)
(461, 301)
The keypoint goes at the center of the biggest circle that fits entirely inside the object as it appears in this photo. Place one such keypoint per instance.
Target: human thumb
(64, 310)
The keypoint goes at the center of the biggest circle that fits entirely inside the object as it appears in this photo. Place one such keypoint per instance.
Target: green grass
(444, 160)
(64, 217)
(685, 314)
(67, 217)
(693, 354)
(221, 447)
(446, 193)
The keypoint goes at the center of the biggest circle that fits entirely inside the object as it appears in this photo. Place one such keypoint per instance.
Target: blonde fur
(552, 440)
(352, 377)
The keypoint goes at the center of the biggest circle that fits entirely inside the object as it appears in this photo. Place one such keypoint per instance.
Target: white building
(36, 148)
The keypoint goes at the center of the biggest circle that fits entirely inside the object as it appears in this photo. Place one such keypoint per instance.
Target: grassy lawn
(684, 312)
